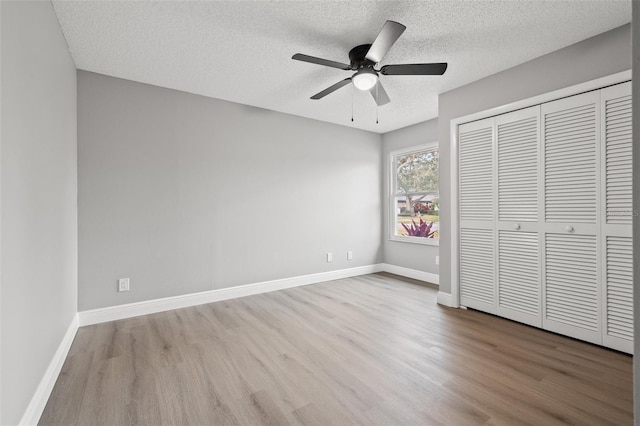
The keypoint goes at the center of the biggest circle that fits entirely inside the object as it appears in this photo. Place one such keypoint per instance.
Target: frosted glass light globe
(364, 79)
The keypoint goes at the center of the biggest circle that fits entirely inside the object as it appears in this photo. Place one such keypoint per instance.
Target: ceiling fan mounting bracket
(357, 57)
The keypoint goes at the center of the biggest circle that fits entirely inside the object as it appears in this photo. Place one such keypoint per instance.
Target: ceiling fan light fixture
(365, 79)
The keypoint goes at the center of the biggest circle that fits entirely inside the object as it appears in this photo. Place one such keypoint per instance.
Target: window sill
(415, 240)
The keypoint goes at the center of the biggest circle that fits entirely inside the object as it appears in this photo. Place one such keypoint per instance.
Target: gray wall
(408, 255)
(595, 57)
(183, 193)
(38, 193)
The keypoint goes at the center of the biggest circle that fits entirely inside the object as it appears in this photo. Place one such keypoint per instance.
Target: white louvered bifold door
(570, 204)
(518, 266)
(617, 212)
(477, 217)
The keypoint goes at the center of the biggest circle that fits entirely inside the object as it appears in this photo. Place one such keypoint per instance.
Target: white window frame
(392, 204)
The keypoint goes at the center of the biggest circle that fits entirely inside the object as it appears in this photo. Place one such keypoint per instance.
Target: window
(415, 195)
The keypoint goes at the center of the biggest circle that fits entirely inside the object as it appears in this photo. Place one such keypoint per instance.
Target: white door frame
(596, 84)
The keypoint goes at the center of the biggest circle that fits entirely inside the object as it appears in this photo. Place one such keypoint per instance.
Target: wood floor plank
(369, 350)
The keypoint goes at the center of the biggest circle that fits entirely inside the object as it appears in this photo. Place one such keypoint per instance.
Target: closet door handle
(568, 228)
(517, 226)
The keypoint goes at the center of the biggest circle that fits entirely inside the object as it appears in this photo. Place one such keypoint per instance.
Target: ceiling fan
(365, 57)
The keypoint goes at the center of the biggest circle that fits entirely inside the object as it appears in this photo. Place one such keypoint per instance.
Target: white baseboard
(445, 299)
(411, 273)
(39, 400)
(113, 313)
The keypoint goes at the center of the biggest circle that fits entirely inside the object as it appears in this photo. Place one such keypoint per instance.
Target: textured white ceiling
(241, 51)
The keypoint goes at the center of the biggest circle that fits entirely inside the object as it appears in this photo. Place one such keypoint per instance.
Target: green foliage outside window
(417, 172)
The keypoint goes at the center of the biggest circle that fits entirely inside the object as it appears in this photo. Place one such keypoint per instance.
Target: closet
(545, 214)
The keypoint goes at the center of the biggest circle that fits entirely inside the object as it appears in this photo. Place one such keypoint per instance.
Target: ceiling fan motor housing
(358, 59)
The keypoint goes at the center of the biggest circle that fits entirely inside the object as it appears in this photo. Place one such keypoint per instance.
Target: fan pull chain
(352, 90)
(377, 99)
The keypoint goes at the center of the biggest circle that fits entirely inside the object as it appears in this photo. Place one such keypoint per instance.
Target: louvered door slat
(619, 282)
(477, 274)
(571, 285)
(517, 145)
(519, 276)
(618, 145)
(476, 173)
(570, 134)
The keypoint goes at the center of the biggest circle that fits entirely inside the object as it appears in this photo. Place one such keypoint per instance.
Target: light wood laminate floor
(371, 350)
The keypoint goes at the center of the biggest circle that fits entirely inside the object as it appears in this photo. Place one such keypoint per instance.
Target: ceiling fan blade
(320, 61)
(331, 89)
(379, 94)
(388, 35)
(415, 69)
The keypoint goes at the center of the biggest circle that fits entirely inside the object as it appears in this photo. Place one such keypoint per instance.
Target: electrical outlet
(329, 257)
(349, 255)
(437, 260)
(123, 284)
